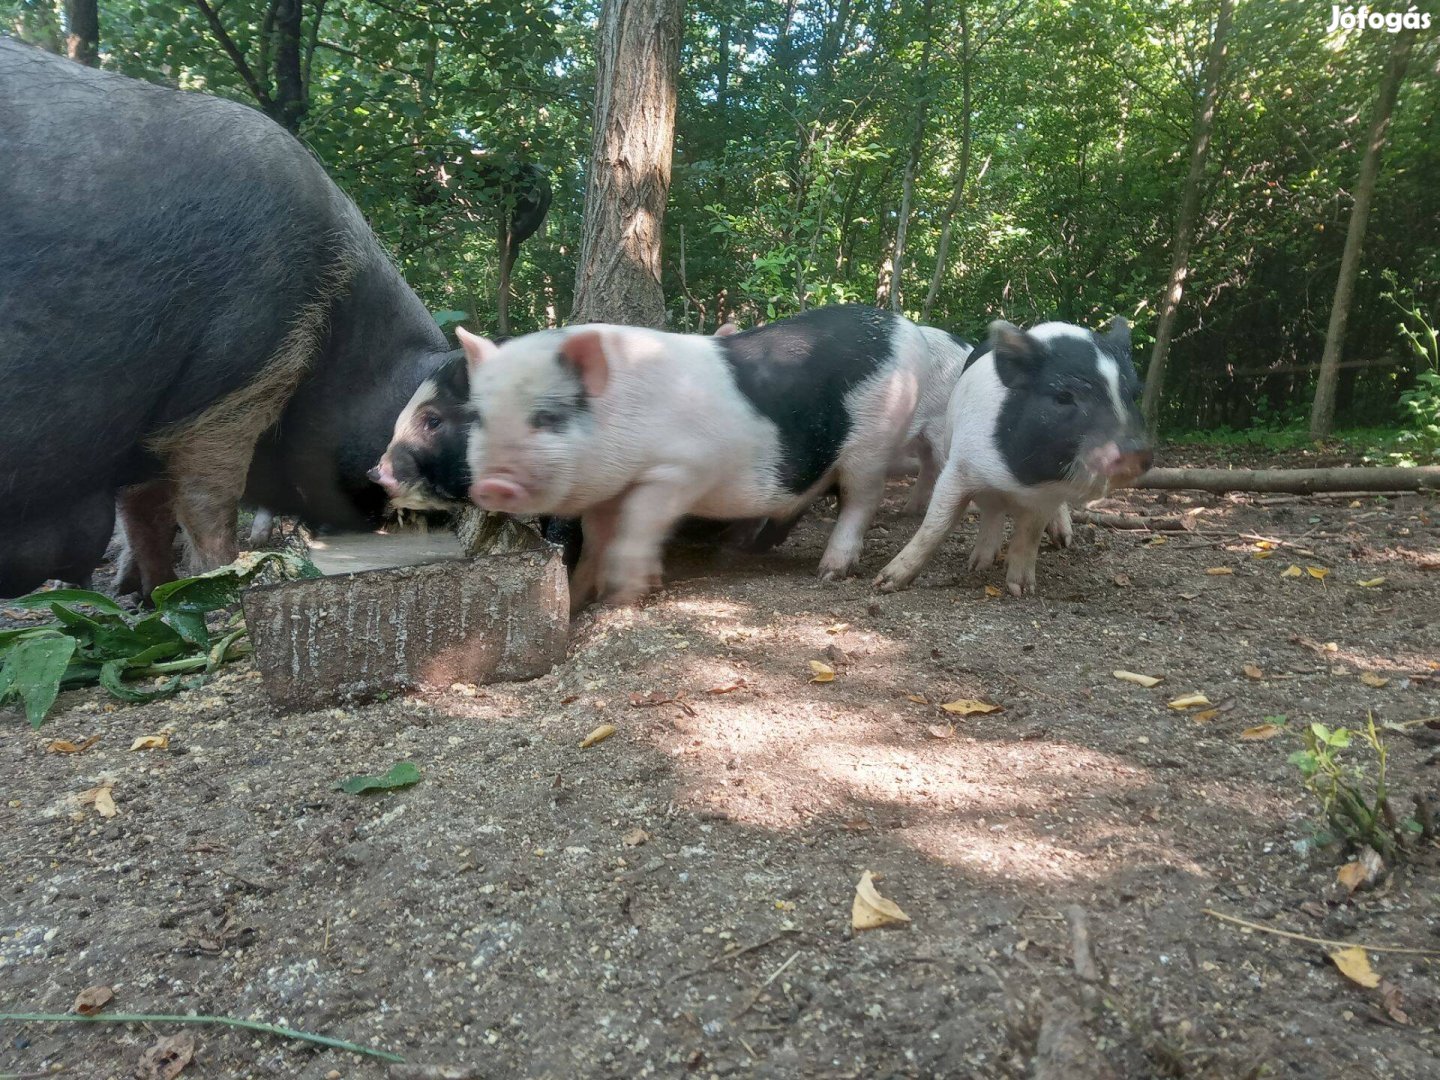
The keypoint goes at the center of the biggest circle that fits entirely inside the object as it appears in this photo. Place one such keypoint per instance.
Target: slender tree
(1204, 124)
(912, 162)
(1322, 412)
(637, 62)
(82, 31)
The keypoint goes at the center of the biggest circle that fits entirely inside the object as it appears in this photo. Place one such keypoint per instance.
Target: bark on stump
(351, 637)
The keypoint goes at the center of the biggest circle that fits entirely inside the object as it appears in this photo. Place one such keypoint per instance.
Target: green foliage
(95, 640)
(1352, 795)
(402, 774)
(795, 123)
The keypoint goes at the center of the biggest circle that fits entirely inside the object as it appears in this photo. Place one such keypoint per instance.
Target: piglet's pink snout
(496, 493)
(1119, 463)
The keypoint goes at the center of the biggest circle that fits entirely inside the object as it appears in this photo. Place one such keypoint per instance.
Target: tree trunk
(1322, 413)
(962, 174)
(507, 264)
(82, 24)
(1185, 221)
(290, 104)
(912, 163)
(637, 60)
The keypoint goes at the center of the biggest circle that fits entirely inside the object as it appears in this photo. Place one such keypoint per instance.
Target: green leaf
(32, 672)
(401, 775)
(99, 601)
(190, 625)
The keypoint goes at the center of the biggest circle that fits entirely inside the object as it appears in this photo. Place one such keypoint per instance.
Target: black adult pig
(179, 279)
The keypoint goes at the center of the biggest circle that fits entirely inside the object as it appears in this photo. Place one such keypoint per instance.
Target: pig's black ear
(1115, 338)
(584, 352)
(1017, 354)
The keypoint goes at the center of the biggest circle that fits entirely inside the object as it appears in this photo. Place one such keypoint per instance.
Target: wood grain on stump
(351, 637)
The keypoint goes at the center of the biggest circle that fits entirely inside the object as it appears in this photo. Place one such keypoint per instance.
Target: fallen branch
(1130, 521)
(1295, 481)
(1319, 941)
(222, 1021)
(731, 956)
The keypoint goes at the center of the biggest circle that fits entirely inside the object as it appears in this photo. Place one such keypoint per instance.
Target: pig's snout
(1120, 462)
(384, 475)
(496, 493)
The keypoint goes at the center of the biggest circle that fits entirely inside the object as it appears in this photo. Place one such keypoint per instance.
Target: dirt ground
(676, 900)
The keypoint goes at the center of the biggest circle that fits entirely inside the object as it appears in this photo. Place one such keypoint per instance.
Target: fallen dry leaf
(1263, 555)
(1146, 681)
(1123, 580)
(1188, 701)
(941, 731)
(92, 999)
(992, 591)
(1371, 583)
(1292, 571)
(838, 628)
(728, 688)
(1261, 732)
(65, 746)
(1219, 571)
(100, 798)
(152, 742)
(1204, 716)
(968, 707)
(1369, 678)
(599, 735)
(1252, 672)
(1319, 573)
(918, 699)
(1355, 965)
(635, 837)
(167, 1058)
(1264, 545)
(823, 672)
(1154, 541)
(871, 910)
(1189, 596)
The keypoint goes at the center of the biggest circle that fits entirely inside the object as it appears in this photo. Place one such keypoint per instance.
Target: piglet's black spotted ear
(1115, 338)
(1017, 354)
(584, 352)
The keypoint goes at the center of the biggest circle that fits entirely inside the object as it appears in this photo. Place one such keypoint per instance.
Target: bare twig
(731, 956)
(1319, 941)
(1131, 521)
(763, 986)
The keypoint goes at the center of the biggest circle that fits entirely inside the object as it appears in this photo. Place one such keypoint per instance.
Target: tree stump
(351, 637)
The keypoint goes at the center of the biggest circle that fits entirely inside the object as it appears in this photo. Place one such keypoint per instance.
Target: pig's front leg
(1024, 550)
(946, 505)
(991, 536)
(597, 530)
(648, 511)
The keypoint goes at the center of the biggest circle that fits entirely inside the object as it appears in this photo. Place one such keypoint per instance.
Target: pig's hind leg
(924, 485)
(952, 495)
(861, 491)
(597, 530)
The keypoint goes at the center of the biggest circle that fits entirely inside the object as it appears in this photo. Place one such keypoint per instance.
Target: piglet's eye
(545, 419)
(1064, 397)
(432, 421)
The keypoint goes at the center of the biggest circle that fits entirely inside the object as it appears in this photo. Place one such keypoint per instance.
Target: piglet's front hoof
(889, 580)
(836, 573)
(1020, 584)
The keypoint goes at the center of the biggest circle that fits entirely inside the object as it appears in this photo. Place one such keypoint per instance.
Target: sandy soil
(676, 900)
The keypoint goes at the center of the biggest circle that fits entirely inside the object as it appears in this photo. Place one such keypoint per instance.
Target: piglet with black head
(1039, 419)
(424, 466)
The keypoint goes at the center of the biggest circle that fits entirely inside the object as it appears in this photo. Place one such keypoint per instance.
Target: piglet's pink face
(532, 428)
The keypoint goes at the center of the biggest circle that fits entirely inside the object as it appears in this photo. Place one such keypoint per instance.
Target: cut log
(1131, 521)
(351, 637)
(1293, 481)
